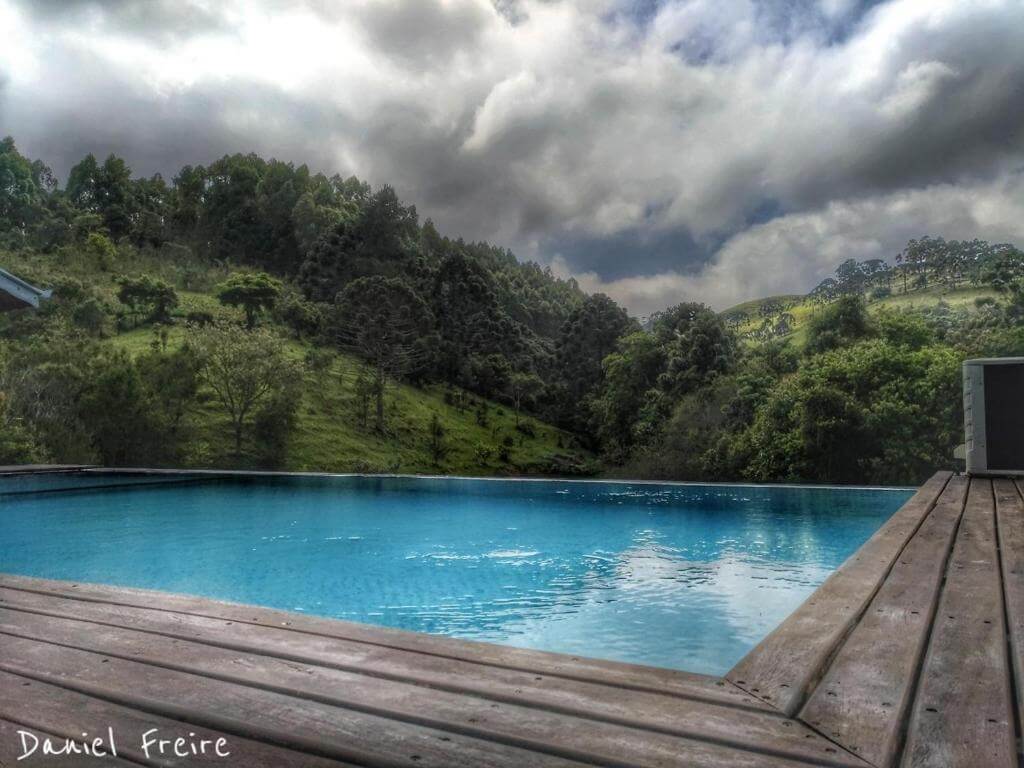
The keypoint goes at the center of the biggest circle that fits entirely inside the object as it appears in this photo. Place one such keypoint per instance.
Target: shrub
(90, 316)
(274, 425)
(527, 428)
(881, 292)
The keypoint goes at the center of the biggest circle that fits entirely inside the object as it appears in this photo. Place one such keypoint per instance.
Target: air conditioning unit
(994, 415)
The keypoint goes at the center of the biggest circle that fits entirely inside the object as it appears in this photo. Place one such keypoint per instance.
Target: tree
(115, 409)
(150, 212)
(105, 190)
(100, 250)
(869, 411)
(474, 327)
(187, 198)
(172, 379)
(320, 362)
(385, 322)
(436, 440)
(19, 193)
(379, 241)
(245, 369)
(305, 318)
(523, 389)
(317, 212)
(586, 338)
(275, 423)
(149, 297)
(842, 322)
(1001, 267)
(490, 374)
(697, 347)
(630, 374)
(82, 182)
(254, 292)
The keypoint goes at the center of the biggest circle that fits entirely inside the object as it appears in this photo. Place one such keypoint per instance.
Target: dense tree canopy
(857, 393)
(587, 337)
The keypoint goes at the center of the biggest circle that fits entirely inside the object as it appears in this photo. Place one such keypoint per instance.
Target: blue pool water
(684, 576)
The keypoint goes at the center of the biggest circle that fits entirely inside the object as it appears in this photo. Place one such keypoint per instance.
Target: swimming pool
(685, 576)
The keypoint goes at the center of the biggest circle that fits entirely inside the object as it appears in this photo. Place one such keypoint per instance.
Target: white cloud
(533, 122)
(793, 253)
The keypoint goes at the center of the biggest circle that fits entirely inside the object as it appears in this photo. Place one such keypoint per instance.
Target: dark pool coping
(252, 473)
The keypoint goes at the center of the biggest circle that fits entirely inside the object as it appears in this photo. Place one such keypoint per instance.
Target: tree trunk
(379, 392)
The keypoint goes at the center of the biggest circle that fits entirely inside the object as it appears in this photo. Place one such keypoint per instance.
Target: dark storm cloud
(424, 32)
(632, 252)
(655, 147)
(161, 134)
(968, 122)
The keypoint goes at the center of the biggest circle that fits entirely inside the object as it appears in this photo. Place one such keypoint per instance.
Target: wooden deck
(910, 654)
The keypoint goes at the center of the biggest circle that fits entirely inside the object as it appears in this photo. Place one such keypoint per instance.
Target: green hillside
(480, 436)
(759, 319)
(327, 437)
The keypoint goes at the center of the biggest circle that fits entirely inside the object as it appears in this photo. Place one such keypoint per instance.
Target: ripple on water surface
(682, 576)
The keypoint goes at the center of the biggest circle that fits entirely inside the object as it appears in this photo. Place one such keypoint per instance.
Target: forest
(254, 313)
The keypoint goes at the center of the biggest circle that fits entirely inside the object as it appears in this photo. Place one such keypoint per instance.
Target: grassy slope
(329, 436)
(803, 310)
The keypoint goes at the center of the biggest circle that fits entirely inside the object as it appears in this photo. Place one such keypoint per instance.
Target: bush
(17, 444)
(100, 250)
(148, 298)
(273, 427)
(874, 411)
(199, 318)
(305, 318)
(841, 323)
(90, 316)
(881, 292)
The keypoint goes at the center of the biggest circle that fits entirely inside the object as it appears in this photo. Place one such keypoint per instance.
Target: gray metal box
(994, 415)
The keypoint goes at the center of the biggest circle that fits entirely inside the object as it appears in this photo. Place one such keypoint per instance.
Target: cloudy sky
(658, 150)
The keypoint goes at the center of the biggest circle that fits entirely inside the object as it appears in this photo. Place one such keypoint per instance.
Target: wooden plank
(444, 673)
(380, 659)
(785, 665)
(631, 676)
(66, 714)
(862, 700)
(962, 713)
(669, 714)
(1010, 520)
(12, 751)
(274, 718)
(657, 726)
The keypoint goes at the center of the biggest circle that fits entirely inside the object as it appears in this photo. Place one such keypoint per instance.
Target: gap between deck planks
(627, 676)
(863, 698)
(962, 713)
(519, 714)
(1010, 531)
(921, 664)
(784, 666)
